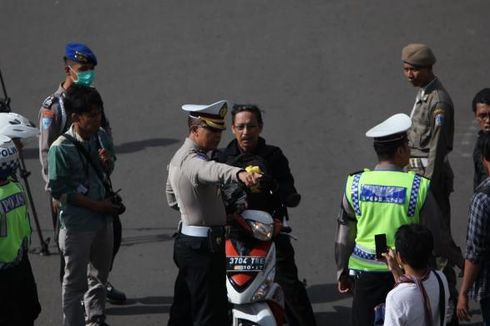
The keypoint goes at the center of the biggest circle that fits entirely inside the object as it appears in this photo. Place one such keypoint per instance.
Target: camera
(117, 201)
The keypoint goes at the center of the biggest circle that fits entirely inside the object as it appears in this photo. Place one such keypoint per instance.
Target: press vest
(382, 202)
(15, 228)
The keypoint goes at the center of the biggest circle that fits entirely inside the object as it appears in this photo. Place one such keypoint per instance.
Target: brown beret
(418, 55)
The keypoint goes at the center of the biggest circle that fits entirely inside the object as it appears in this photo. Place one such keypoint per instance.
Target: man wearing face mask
(79, 67)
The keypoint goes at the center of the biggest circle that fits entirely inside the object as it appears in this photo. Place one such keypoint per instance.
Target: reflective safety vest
(15, 228)
(382, 202)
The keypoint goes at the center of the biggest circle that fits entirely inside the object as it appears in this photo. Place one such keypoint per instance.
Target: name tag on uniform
(383, 194)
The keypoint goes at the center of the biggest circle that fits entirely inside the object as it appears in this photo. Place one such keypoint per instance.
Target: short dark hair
(482, 96)
(252, 108)
(387, 150)
(82, 99)
(194, 122)
(414, 242)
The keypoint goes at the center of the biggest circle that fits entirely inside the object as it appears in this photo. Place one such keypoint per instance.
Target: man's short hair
(82, 99)
(194, 122)
(252, 108)
(482, 97)
(414, 243)
(386, 150)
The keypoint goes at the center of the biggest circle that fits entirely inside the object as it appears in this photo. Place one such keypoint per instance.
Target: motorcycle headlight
(261, 231)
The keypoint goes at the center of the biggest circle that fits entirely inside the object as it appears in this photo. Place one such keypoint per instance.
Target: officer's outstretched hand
(249, 179)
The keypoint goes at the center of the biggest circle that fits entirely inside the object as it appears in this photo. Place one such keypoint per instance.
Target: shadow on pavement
(322, 293)
(124, 148)
(341, 316)
(141, 306)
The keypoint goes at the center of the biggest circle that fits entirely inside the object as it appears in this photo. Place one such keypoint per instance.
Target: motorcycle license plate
(245, 263)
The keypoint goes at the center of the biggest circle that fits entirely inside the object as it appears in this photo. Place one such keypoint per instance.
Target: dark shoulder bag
(106, 181)
(442, 299)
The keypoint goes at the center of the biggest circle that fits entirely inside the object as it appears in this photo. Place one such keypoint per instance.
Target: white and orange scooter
(250, 271)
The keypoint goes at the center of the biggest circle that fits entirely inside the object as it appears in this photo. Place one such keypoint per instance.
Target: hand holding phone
(381, 246)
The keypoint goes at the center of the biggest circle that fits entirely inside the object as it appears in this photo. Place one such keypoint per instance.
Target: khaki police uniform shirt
(432, 132)
(193, 186)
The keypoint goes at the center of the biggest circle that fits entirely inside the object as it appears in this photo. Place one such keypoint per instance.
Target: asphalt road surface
(323, 71)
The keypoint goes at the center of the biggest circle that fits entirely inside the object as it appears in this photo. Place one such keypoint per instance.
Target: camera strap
(106, 181)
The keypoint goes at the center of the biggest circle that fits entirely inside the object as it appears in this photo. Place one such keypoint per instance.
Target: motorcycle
(250, 269)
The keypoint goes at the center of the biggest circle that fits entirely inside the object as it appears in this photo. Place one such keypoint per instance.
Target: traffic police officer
(378, 202)
(19, 304)
(193, 189)
(80, 62)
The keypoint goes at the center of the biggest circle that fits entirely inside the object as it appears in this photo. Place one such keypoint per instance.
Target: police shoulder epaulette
(49, 101)
(358, 172)
(202, 156)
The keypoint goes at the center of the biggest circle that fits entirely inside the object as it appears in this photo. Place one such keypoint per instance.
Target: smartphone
(381, 246)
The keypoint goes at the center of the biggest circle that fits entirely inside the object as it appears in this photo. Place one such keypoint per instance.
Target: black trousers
(117, 229)
(370, 289)
(200, 288)
(19, 303)
(298, 306)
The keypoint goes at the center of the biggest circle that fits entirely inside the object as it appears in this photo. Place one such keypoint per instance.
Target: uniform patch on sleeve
(46, 122)
(46, 118)
(439, 119)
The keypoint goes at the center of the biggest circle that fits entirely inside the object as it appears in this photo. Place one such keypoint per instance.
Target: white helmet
(14, 125)
(8, 157)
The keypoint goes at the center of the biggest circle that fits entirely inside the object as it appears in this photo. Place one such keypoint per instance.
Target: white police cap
(212, 115)
(392, 129)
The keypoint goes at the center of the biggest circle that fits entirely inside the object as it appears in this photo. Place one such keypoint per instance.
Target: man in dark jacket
(246, 126)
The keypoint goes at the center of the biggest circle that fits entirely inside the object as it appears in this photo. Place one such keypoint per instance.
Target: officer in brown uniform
(79, 67)
(193, 189)
(432, 132)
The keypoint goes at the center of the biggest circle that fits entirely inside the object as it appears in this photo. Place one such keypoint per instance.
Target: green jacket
(70, 173)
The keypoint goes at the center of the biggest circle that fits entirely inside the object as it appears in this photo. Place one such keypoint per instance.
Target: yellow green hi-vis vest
(15, 228)
(382, 202)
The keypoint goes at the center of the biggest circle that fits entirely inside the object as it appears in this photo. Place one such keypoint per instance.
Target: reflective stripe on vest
(15, 228)
(382, 201)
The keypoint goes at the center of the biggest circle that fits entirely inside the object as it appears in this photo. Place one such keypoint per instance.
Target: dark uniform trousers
(298, 306)
(19, 304)
(200, 289)
(370, 289)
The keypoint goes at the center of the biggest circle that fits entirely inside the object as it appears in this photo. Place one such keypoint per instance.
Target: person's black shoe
(114, 296)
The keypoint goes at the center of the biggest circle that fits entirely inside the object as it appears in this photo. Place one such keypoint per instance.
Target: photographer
(78, 161)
